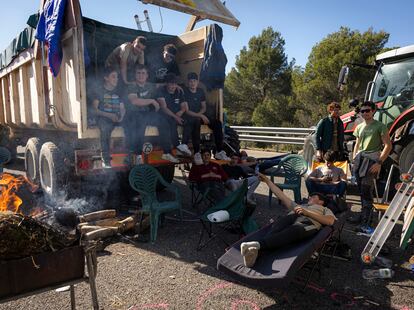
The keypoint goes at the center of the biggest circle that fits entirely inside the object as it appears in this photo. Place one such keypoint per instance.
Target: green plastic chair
(235, 205)
(292, 168)
(144, 179)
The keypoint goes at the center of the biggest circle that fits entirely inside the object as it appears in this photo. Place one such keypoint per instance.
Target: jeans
(105, 126)
(285, 232)
(316, 187)
(192, 130)
(172, 127)
(134, 127)
(252, 183)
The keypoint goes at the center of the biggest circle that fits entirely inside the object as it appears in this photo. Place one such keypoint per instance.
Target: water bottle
(385, 273)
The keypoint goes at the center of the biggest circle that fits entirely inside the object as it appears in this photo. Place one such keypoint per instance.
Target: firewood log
(86, 228)
(98, 215)
(100, 233)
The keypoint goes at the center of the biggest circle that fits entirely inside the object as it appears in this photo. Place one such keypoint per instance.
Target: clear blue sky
(302, 23)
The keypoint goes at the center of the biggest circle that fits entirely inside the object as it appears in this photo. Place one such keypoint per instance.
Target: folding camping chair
(339, 164)
(235, 205)
(274, 268)
(293, 168)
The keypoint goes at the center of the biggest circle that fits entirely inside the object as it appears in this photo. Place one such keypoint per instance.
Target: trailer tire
(407, 157)
(31, 160)
(52, 169)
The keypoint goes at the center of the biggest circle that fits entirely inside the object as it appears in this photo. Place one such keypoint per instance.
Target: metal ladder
(401, 200)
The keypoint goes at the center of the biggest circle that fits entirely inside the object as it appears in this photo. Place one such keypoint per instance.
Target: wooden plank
(15, 98)
(41, 100)
(27, 99)
(6, 99)
(198, 34)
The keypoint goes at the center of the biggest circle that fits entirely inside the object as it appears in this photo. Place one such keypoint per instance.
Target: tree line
(265, 89)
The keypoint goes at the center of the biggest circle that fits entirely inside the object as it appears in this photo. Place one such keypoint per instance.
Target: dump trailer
(52, 116)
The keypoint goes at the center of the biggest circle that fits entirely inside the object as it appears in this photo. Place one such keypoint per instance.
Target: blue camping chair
(144, 179)
(292, 168)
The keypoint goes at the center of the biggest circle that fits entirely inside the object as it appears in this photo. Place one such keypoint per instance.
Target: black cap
(170, 78)
(192, 76)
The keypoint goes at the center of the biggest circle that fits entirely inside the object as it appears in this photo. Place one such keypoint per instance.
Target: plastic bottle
(383, 273)
(256, 170)
(386, 273)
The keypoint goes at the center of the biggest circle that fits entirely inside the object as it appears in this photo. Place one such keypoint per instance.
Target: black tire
(407, 157)
(231, 141)
(31, 160)
(52, 169)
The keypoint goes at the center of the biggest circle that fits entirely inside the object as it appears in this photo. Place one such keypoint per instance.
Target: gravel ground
(171, 274)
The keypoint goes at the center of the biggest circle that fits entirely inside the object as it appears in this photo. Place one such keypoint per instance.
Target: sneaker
(106, 165)
(138, 160)
(250, 256)
(170, 158)
(197, 159)
(221, 156)
(183, 148)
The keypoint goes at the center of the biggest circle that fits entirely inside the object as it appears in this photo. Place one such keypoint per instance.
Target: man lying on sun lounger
(302, 222)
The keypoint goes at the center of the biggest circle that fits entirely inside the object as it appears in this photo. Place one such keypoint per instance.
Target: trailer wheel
(52, 169)
(31, 159)
(407, 157)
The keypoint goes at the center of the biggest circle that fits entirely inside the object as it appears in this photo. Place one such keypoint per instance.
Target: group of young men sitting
(155, 102)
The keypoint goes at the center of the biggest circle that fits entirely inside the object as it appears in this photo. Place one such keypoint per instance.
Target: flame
(9, 201)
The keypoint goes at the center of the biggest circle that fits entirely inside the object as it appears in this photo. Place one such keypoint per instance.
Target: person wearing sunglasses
(330, 133)
(372, 148)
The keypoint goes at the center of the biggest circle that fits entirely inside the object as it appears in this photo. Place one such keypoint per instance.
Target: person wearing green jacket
(330, 133)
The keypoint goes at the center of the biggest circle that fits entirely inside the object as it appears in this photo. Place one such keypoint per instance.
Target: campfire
(9, 188)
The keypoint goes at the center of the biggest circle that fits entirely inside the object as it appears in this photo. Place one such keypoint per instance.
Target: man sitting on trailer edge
(144, 110)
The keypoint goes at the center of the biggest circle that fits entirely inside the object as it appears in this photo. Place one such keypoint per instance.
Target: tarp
(24, 40)
(101, 39)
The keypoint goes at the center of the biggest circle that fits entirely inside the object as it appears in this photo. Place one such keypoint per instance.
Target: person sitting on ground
(237, 175)
(143, 110)
(195, 116)
(126, 56)
(209, 176)
(330, 133)
(327, 178)
(164, 65)
(109, 111)
(302, 222)
(173, 106)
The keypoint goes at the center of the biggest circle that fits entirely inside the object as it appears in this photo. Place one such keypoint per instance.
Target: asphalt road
(171, 274)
